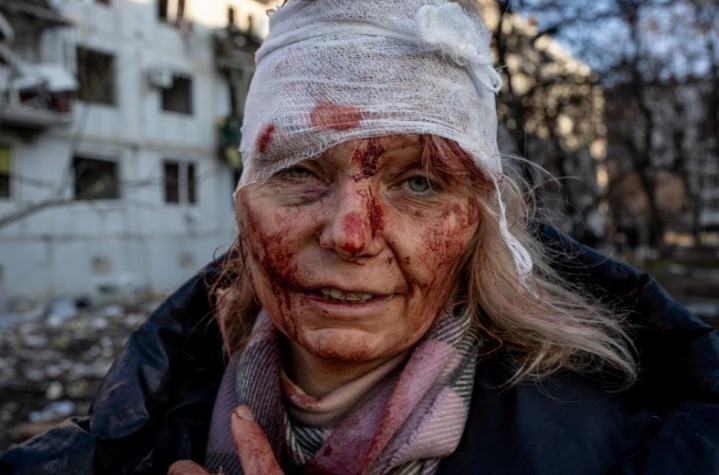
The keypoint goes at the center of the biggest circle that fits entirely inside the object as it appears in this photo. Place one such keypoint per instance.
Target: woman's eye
(298, 173)
(418, 184)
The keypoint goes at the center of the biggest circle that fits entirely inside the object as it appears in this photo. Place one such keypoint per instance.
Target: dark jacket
(154, 405)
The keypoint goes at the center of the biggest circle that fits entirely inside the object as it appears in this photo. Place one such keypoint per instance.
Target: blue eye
(298, 173)
(418, 184)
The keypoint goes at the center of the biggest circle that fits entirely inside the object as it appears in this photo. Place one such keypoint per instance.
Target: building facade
(118, 129)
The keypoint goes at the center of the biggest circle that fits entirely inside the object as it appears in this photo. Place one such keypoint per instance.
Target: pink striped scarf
(405, 428)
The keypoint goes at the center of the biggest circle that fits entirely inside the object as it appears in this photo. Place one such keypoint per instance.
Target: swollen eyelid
(298, 172)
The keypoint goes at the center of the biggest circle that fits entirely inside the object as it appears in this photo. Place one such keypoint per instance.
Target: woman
(388, 308)
(384, 253)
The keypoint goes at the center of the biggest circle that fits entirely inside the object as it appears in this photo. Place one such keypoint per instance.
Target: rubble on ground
(53, 357)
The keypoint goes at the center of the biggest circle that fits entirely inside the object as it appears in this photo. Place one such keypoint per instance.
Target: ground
(52, 359)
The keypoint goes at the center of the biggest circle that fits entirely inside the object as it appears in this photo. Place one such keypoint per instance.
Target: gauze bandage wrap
(336, 70)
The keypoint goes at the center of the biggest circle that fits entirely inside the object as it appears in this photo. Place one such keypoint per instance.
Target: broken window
(4, 170)
(96, 179)
(96, 73)
(180, 182)
(178, 97)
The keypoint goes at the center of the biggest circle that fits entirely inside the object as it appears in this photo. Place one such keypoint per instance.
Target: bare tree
(657, 61)
(551, 110)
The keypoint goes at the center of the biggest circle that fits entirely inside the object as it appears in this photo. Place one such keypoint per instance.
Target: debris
(53, 358)
(61, 311)
(55, 391)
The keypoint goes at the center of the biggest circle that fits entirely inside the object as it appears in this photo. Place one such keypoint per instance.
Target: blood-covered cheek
(271, 259)
(445, 243)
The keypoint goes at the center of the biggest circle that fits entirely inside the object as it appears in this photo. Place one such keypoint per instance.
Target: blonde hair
(545, 325)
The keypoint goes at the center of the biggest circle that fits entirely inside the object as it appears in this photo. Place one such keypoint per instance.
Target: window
(4, 170)
(171, 10)
(180, 182)
(172, 182)
(96, 73)
(178, 97)
(162, 9)
(95, 179)
(191, 184)
(231, 15)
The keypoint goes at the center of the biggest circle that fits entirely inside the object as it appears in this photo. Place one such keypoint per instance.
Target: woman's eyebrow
(407, 165)
(404, 153)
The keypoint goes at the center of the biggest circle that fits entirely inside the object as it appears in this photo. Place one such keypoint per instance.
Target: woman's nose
(353, 223)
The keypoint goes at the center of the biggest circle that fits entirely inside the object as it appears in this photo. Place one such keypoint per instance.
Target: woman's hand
(253, 448)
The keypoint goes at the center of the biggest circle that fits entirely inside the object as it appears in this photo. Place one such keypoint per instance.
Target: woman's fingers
(254, 449)
(186, 467)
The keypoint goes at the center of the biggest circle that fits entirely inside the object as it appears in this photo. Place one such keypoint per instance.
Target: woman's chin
(348, 346)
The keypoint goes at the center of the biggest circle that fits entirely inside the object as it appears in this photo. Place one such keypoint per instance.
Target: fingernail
(244, 413)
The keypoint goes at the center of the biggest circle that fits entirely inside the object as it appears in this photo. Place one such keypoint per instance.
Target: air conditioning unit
(161, 78)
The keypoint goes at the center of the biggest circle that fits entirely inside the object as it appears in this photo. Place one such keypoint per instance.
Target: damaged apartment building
(119, 126)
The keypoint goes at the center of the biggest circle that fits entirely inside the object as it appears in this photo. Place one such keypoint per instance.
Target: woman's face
(353, 254)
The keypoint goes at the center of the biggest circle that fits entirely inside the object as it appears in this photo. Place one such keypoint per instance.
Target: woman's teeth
(342, 296)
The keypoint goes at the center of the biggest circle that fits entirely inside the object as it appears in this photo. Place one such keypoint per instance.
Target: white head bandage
(335, 70)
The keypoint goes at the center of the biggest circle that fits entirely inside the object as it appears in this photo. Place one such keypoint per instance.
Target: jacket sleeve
(154, 405)
(678, 355)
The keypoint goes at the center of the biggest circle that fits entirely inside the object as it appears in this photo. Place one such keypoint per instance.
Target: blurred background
(119, 128)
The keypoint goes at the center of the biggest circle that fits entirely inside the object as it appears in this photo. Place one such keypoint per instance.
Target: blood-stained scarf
(404, 428)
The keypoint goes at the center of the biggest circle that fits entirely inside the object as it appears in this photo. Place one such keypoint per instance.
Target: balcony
(235, 49)
(36, 10)
(33, 97)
